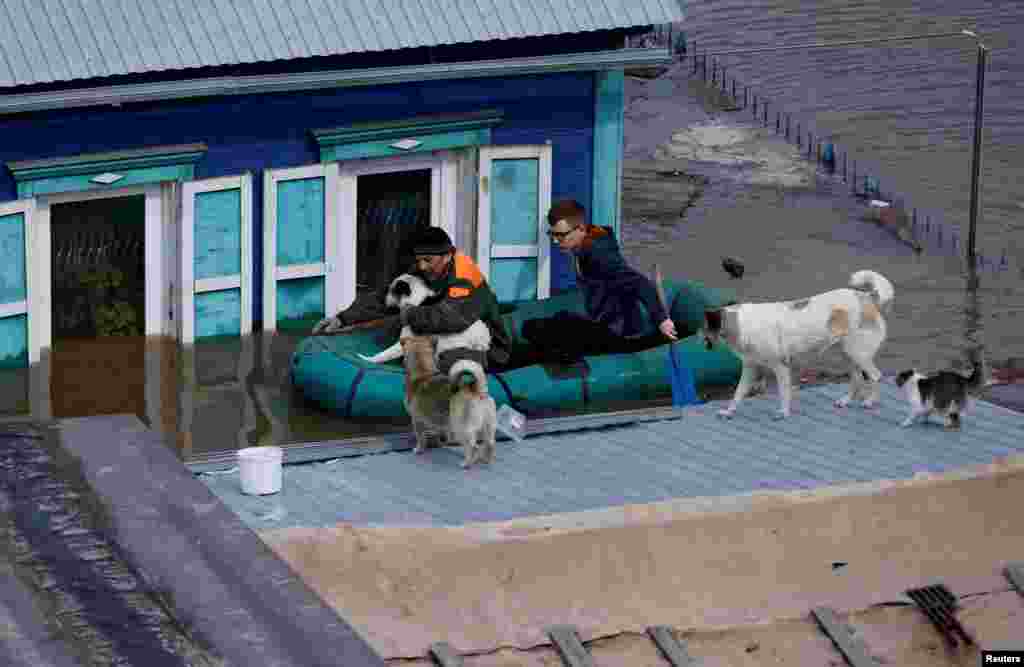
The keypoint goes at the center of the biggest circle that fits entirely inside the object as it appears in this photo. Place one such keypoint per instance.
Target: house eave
(303, 81)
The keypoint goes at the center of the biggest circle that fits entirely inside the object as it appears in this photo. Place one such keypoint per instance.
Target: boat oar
(684, 390)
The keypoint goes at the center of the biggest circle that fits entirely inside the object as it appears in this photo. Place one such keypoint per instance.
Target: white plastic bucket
(260, 470)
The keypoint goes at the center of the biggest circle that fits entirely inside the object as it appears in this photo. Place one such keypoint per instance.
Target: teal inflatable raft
(328, 371)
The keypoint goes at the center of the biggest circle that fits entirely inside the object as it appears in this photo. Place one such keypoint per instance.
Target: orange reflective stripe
(467, 269)
(458, 292)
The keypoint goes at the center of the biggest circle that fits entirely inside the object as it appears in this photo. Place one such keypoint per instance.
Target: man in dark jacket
(463, 297)
(623, 310)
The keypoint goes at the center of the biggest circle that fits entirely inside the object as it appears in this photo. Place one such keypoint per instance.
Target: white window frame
(334, 279)
(156, 273)
(186, 257)
(542, 251)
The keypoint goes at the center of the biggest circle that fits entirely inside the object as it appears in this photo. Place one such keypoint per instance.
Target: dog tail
(876, 285)
(466, 373)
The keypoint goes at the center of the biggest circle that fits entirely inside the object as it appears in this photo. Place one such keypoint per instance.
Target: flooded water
(799, 231)
(907, 107)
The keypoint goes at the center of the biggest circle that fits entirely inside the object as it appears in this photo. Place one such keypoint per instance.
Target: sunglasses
(560, 236)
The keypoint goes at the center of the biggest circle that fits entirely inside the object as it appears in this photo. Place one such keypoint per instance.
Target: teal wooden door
(302, 278)
(16, 349)
(514, 198)
(216, 257)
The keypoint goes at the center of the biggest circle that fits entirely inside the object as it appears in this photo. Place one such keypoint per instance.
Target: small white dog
(773, 335)
(408, 290)
(473, 415)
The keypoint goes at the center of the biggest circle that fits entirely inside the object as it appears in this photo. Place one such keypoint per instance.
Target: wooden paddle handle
(660, 289)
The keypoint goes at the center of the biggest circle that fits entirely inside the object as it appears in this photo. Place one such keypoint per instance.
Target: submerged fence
(925, 226)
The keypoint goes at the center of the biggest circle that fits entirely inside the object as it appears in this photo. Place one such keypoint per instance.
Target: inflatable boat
(328, 370)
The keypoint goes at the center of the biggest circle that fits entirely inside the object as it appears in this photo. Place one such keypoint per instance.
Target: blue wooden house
(272, 159)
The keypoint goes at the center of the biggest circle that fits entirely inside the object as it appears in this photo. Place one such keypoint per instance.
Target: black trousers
(568, 335)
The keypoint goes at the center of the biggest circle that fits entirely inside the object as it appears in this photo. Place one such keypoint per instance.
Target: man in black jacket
(622, 305)
(463, 297)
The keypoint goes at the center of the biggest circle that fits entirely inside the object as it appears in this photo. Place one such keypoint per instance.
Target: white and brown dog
(408, 290)
(473, 415)
(774, 335)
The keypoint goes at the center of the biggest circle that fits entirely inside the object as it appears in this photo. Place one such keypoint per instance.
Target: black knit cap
(433, 241)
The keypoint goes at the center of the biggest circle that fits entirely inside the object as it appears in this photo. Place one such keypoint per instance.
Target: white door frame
(156, 273)
(542, 251)
(444, 183)
(186, 257)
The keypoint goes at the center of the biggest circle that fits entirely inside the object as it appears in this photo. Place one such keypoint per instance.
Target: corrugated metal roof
(43, 41)
(699, 455)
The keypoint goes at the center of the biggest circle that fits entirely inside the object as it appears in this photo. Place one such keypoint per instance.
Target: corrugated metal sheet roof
(44, 41)
(699, 455)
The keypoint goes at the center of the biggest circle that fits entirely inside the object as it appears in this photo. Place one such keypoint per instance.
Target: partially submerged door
(302, 278)
(514, 198)
(216, 257)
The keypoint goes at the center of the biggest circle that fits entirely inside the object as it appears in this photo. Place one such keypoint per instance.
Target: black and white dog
(408, 290)
(944, 393)
(774, 335)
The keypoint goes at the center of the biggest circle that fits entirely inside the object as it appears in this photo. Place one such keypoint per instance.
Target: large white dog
(772, 335)
(408, 290)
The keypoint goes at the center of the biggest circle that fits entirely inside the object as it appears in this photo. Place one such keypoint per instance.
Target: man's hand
(327, 325)
(668, 329)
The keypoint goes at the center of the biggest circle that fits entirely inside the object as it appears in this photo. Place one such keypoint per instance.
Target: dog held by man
(409, 290)
(774, 335)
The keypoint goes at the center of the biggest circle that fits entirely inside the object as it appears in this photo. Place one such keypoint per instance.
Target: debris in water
(733, 267)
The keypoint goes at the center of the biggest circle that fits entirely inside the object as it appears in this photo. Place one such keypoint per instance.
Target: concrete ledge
(222, 582)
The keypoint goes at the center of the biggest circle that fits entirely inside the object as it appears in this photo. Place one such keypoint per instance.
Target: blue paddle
(684, 390)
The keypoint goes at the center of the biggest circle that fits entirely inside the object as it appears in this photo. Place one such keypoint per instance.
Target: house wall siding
(253, 133)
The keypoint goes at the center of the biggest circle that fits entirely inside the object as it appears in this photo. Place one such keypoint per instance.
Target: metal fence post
(979, 118)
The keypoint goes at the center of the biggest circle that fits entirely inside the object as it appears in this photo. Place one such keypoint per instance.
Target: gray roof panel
(45, 41)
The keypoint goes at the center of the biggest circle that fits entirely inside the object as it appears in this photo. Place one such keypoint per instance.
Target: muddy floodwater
(699, 183)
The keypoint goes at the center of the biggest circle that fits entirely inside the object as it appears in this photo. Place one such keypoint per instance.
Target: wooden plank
(1015, 573)
(445, 655)
(853, 650)
(570, 648)
(671, 647)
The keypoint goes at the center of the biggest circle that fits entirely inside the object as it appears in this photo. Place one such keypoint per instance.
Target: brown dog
(427, 393)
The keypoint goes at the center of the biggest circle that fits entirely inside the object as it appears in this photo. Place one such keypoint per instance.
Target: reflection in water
(216, 396)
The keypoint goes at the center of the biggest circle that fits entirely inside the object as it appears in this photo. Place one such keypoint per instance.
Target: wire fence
(923, 226)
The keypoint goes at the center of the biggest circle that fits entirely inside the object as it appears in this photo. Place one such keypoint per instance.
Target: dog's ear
(839, 322)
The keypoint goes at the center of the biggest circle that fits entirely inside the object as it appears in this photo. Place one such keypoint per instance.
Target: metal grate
(940, 605)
